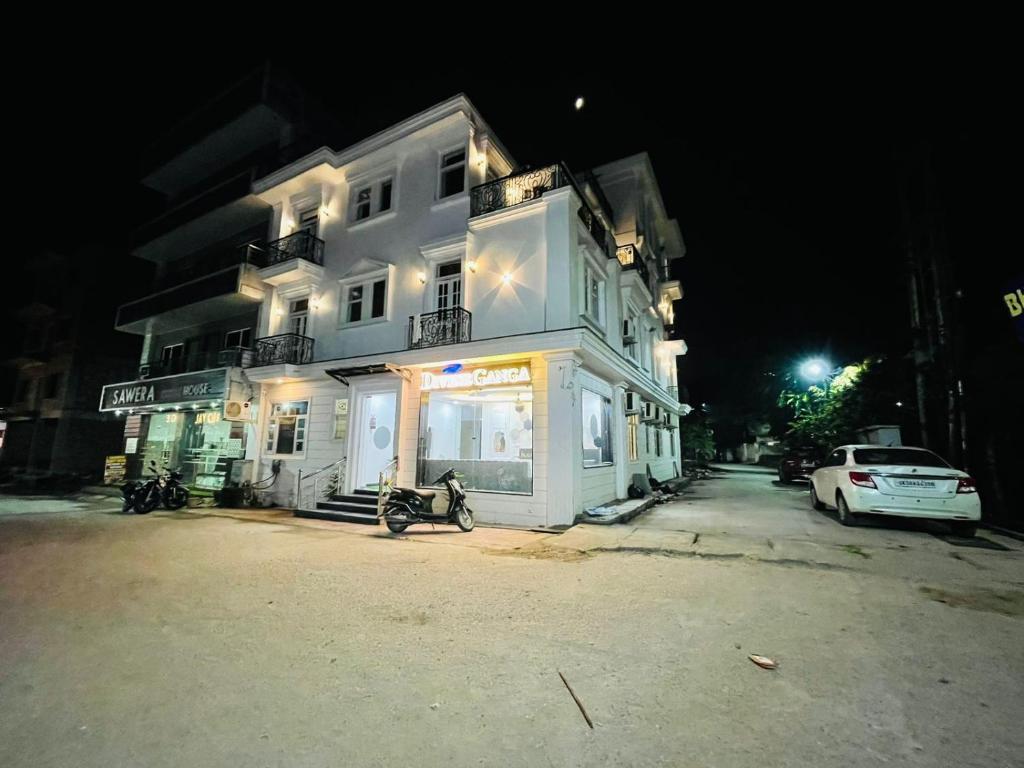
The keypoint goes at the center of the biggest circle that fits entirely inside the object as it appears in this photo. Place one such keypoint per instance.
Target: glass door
(375, 440)
(448, 281)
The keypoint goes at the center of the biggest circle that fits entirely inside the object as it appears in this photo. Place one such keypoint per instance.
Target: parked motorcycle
(159, 489)
(407, 506)
(128, 491)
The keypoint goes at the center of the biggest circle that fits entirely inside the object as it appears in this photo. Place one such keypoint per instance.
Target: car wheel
(815, 501)
(964, 530)
(846, 517)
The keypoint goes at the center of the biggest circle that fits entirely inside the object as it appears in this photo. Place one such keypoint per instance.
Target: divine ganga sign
(475, 377)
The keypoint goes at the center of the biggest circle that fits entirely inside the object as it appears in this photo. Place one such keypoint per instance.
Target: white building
(419, 298)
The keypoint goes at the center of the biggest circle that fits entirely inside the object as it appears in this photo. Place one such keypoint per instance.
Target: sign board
(471, 378)
(1013, 298)
(187, 388)
(114, 469)
(340, 418)
(131, 445)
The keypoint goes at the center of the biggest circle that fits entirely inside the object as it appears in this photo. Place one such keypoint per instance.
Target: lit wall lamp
(422, 277)
(507, 278)
(315, 303)
(471, 266)
(324, 211)
(279, 312)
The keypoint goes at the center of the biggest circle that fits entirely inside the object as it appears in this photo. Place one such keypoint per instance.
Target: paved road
(257, 639)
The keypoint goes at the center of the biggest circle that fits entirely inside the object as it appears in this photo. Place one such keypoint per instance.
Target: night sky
(781, 174)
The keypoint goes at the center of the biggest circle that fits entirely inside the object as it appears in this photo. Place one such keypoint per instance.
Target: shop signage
(114, 469)
(187, 388)
(469, 378)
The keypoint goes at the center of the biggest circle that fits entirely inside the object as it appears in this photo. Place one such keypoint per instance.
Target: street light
(815, 369)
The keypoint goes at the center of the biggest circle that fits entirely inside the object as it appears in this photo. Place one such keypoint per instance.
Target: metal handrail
(320, 490)
(386, 478)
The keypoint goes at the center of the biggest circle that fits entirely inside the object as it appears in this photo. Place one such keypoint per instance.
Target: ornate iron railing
(283, 348)
(299, 245)
(629, 257)
(445, 326)
(529, 185)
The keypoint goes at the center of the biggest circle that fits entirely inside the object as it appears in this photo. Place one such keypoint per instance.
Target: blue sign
(453, 368)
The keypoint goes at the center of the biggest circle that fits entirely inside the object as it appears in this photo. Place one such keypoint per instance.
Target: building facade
(414, 302)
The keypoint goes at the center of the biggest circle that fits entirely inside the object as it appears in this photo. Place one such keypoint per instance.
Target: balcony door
(448, 285)
(298, 316)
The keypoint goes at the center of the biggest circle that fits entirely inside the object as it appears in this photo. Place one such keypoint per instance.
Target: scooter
(407, 506)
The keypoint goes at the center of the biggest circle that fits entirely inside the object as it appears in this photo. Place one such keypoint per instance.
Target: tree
(696, 437)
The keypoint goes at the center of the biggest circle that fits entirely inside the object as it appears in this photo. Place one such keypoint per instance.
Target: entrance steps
(357, 507)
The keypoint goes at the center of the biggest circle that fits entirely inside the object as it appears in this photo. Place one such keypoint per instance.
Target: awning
(344, 374)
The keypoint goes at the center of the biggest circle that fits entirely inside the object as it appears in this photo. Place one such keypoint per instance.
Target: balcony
(436, 329)
(224, 291)
(530, 185)
(282, 349)
(630, 259)
(235, 357)
(293, 258)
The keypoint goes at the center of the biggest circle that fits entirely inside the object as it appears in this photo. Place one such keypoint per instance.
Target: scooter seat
(425, 495)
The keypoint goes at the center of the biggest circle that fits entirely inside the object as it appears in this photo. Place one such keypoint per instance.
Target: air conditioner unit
(628, 331)
(647, 411)
(237, 410)
(632, 402)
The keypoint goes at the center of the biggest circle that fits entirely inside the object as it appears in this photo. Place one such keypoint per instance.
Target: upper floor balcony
(282, 349)
(453, 325)
(240, 357)
(518, 188)
(296, 257)
(630, 258)
(206, 292)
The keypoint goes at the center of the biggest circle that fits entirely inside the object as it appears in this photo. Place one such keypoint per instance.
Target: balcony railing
(629, 257)
(234, 357)
(445, 326)
(299, 245)
(283, 348)
(529, 185)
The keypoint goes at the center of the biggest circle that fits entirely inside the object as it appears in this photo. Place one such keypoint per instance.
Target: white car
(908, 482)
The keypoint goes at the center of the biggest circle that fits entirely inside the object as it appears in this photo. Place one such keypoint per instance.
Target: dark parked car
(798, 464)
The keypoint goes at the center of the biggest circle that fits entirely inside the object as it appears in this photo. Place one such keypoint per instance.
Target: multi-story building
(422, 298)
(64, 351)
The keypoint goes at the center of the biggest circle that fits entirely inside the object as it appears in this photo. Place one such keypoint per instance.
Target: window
(597, 429)
(632, 328)
(448, 285)
(593, 296)
(363, 203)
(363, 302)
(171, 353)
(837, 459)
(657, 442)
(632, 446)
(372, 199)
(286, 428)
(903, 457)
(309, 221)
(239, 338)
(298, 316)
(647, 439)
(453, 173)
(487, 434)
(672, 444)
(53, 382)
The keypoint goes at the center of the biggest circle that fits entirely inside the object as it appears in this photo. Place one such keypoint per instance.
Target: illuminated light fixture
(280, 381)
(315, 303)
(195, 407)
(899, 403)
(117, 413)
(471, 265)
(579, 103)
(324, 211)
(815, 369)
(422, 276)
(131, 411)
(507, 278)
(214, 403)
(279, 312)
(177, 407)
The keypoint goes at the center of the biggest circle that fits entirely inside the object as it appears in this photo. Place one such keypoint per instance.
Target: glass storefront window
(486, 434)
(286, 428)
(597, 429)
(199, 443)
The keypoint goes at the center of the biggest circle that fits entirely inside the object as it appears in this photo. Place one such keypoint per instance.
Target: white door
(375, 440)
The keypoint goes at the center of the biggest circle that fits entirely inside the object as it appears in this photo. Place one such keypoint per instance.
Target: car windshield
(906, 457)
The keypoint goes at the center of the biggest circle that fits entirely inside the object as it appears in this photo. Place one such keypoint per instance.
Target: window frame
(443, 169)
(367, 283)
(374, 186)
(270, 444)
(243, 334)
(632, 438)
(606, 423)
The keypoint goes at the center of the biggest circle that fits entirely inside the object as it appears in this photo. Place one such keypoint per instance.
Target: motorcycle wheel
(177, 498)
(146, 504)
(396, 527)
(464, 518)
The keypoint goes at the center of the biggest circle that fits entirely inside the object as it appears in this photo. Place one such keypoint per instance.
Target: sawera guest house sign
(186, 389)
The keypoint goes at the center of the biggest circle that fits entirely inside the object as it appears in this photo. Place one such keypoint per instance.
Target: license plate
(915, 483)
